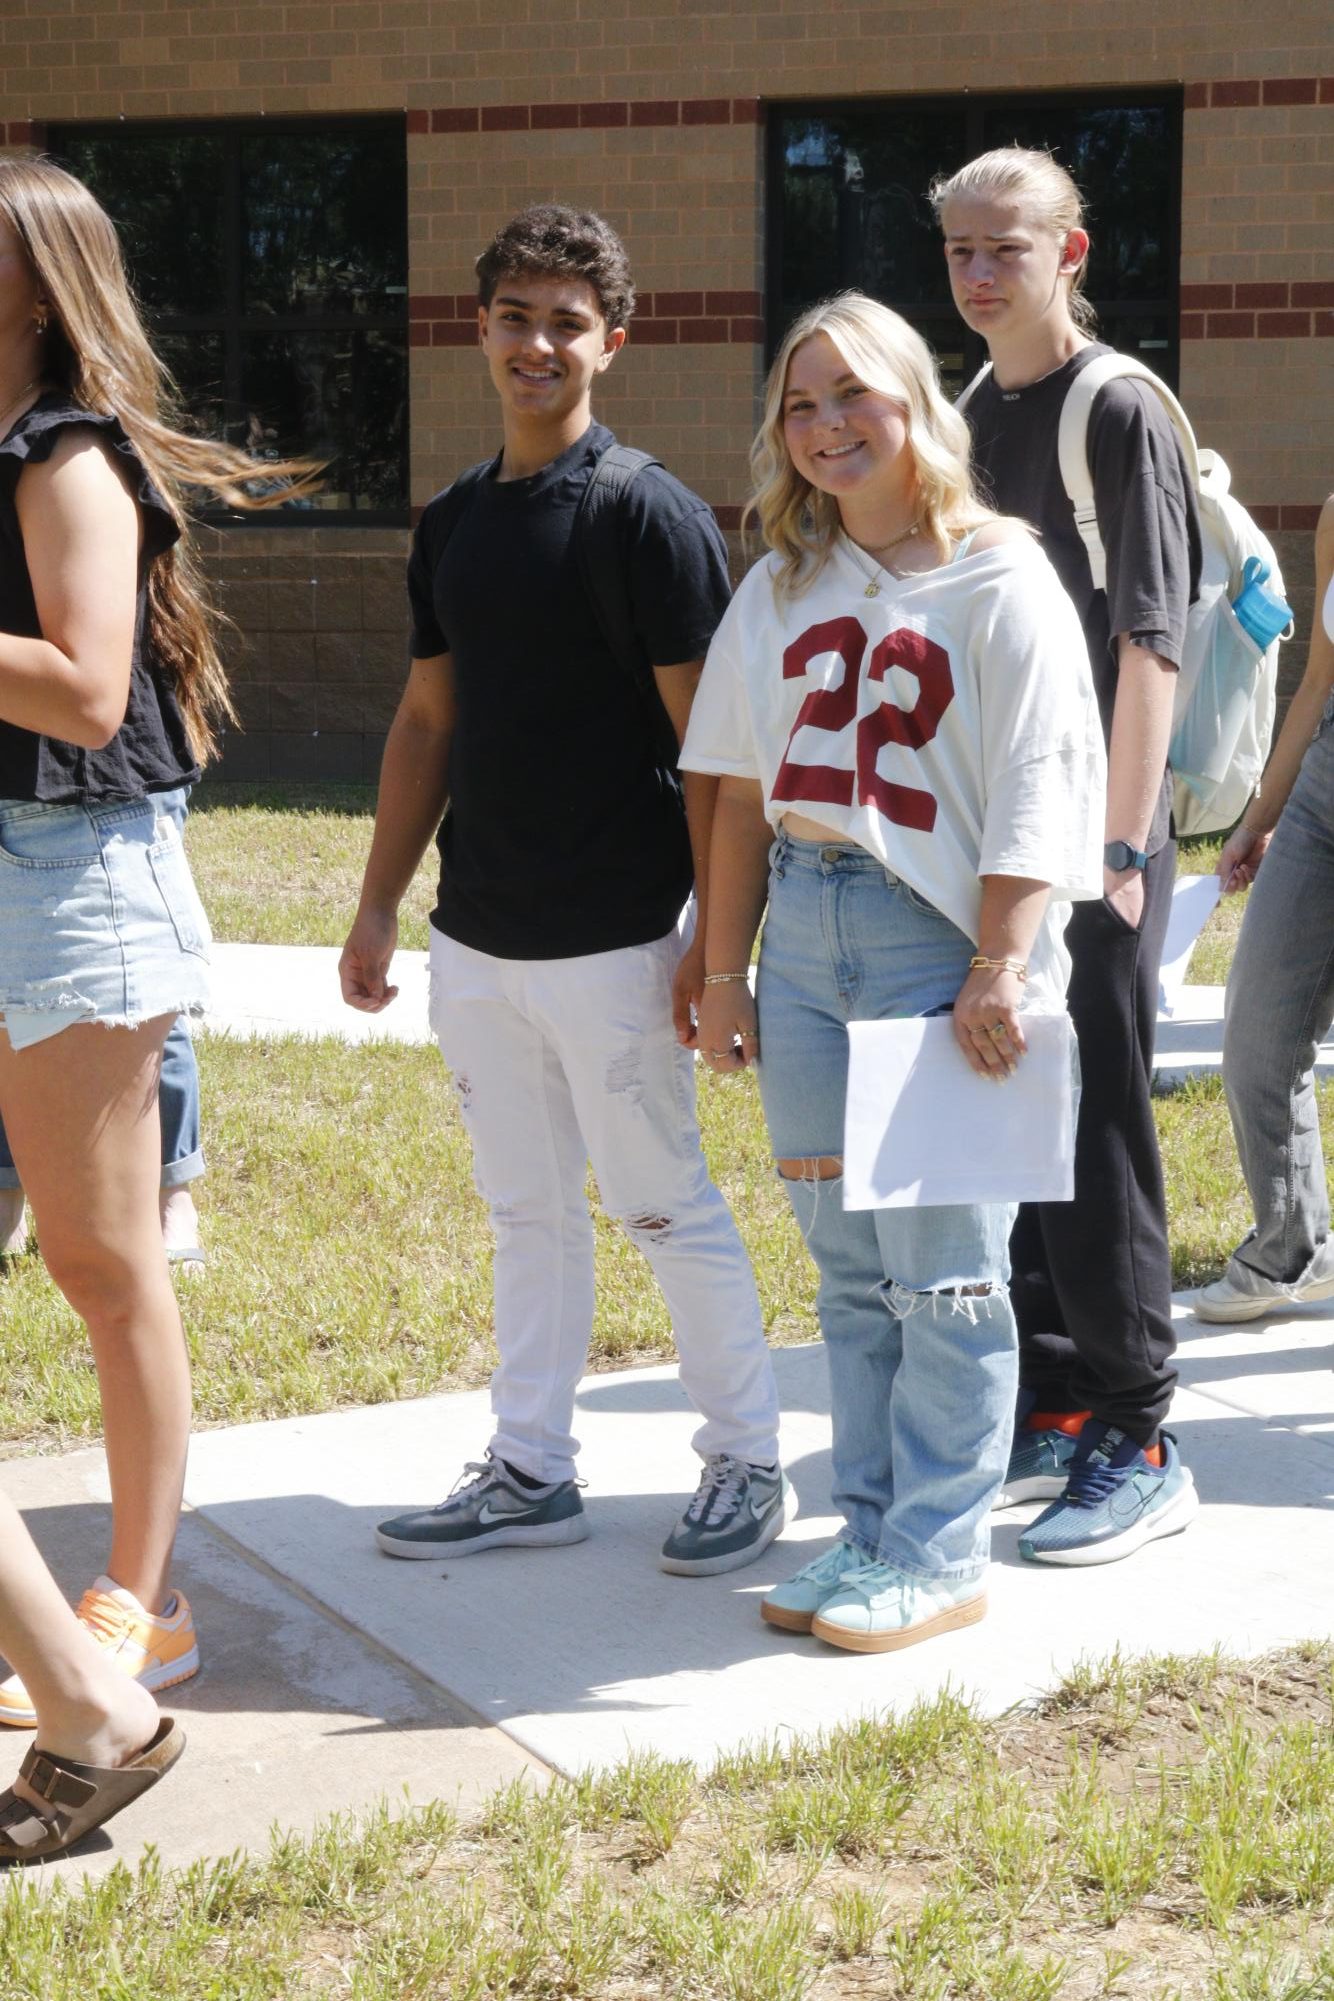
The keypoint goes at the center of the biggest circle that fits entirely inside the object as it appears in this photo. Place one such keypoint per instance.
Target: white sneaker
(1243, 1295)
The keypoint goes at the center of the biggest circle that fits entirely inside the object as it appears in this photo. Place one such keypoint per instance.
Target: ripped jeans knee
(647, 1229)
(906, 1300)
(815, 1167)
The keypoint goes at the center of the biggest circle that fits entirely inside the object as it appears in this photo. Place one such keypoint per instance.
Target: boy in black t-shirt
(557, 955)
(1091, 1278)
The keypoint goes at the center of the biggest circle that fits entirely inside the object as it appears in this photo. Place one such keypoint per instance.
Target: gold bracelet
(1019, 967)
(722, 979)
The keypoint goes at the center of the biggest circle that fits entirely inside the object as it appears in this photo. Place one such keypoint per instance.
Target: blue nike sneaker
(1114, 1501)
(1039, 1466)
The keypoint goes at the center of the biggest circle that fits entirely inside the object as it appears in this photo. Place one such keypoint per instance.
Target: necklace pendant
(872, 589)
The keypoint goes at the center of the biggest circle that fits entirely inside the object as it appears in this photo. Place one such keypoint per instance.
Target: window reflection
(848, 207)
(272, 261)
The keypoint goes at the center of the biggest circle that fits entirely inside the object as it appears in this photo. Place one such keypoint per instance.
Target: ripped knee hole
(821, 1167)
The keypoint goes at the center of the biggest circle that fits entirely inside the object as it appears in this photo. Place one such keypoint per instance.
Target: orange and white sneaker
(157, 1648)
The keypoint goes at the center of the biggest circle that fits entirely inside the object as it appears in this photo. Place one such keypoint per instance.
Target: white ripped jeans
(558, 1062)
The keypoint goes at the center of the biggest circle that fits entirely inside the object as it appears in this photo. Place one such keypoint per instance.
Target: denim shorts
(99, 918)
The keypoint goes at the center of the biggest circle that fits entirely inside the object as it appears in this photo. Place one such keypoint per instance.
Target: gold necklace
(873, 587)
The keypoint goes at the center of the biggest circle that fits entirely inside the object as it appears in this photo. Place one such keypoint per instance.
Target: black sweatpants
(1091, 1280)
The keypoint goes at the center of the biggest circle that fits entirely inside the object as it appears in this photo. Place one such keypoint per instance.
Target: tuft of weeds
(655, 1793)
(856, 1915)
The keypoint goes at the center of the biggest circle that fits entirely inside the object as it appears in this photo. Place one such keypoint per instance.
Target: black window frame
(234, 324)
(976, 106)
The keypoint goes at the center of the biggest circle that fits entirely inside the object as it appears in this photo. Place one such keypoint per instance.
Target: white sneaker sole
(530, 1535)
(1038, 1487)
(947, 1621)
(1242, 1308)
(736, 1559)
(1178, 1514)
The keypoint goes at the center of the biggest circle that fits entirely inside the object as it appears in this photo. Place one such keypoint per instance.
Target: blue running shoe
(1114, 1501)
(1039, 1466)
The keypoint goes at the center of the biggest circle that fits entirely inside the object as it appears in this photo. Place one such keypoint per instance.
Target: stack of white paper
(923, 1128)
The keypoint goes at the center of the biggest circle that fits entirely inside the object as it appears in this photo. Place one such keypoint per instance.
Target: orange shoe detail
(1071, 1422)
(158, 1649)
(1154, 1454)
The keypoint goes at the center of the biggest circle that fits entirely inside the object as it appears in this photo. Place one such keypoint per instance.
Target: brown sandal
(73, 1799)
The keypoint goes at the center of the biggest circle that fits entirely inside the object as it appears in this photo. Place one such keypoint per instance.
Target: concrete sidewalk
(334, 1675)
(293, 990)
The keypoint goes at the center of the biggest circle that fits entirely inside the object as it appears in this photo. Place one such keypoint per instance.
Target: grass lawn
(349, 1259)
(282, 864)
(1159, 1831)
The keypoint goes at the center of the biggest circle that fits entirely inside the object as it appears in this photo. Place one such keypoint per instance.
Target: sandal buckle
(44, 1778)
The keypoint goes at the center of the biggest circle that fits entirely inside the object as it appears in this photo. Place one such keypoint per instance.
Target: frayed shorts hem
(27, 1026)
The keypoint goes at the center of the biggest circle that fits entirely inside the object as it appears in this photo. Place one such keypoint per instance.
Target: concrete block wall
(654, 114)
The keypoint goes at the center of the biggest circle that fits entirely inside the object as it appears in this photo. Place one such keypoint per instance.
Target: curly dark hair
(552, 240)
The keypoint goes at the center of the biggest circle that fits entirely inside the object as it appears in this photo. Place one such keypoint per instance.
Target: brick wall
(654, 115)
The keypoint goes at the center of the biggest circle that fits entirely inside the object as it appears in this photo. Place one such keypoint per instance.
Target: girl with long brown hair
(111, 687)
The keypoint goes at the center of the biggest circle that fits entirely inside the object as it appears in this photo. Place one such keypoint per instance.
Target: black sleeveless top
(151, 751)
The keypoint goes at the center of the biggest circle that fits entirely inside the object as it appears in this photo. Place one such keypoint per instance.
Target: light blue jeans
(913, 1303)
(1280, 1002)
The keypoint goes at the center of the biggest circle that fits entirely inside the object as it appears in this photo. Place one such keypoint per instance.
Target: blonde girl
(911, 779)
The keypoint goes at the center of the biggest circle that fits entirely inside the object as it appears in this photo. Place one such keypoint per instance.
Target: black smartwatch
(1119, 855)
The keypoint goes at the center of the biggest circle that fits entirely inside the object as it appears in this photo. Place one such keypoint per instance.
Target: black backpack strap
(602, 569)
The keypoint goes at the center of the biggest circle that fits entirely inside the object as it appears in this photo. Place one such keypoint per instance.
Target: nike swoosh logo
(488, 1515)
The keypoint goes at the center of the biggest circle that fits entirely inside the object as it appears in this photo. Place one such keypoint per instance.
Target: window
(271, 259)
(848, 206)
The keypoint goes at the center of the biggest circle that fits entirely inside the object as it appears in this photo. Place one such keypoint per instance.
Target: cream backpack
(1223, 715)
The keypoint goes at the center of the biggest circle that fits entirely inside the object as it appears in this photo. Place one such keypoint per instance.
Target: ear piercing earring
(43, 317)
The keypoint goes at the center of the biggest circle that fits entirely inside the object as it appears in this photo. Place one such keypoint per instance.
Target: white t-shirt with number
(947, 725)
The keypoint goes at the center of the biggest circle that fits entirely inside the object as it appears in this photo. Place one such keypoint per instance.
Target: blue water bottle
(1261, 614)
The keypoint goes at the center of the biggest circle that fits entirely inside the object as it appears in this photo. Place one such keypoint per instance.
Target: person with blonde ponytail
(111, 688)
(902, 723)
(1092, 1277)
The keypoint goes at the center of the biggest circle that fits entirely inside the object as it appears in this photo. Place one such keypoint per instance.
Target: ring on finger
(747, 1035)
(998, 1029)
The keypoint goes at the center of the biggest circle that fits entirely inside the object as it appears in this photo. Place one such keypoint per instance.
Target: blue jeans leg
(1280, 1002)
(913, 1303)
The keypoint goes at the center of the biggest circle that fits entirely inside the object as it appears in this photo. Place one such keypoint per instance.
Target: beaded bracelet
(1019, 967)
(722, 979)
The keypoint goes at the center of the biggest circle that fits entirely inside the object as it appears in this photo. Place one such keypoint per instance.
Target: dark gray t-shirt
(1147, 515)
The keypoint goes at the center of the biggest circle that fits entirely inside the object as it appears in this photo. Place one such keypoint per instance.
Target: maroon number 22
(834, 709)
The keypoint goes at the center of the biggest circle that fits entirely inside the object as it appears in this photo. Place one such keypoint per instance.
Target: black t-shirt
(564, 836)
(1147, 516)
(151, 751)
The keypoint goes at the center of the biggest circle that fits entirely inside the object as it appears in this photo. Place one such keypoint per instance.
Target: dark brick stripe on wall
(449, 319)
(608, 113)
(1286, 515)
(22, 132)
(1234, 93)
(1274, 310)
